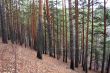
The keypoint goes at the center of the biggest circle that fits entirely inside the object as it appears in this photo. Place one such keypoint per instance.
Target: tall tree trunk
(104, 48)
(12, 19)
(54, 49)
(83, 37)
(40, 37)
(33, 25)
(63, 15)
(87, 31)
(92, 38)
(3, 22)
(29, 25)
(57, 38)
(71, 36)
(66, 53)
(45, 24)
(49, 28)
(16, 27)
(76, 40)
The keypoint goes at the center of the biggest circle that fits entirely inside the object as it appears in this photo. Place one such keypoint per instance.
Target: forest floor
(18, 59)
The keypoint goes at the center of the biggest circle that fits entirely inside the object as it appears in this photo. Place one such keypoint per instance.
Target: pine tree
(71, 36)
(87, 32)
(76, 38)
(104, 47)
(40, 37)
(49, 27)
(92, 38)
(83, 36)
(3, 22)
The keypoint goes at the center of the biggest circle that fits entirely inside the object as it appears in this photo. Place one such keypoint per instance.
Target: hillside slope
(18, 59)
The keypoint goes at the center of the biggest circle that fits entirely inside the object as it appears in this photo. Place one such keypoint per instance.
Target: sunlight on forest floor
(17, 59)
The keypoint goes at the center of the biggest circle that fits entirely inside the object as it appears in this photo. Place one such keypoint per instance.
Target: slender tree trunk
(60, 38)
(12, 20)
(7, 17)
(71, 36)
(3, 23)
(49, 28)
(33, 23)
(63, 30)
(76, 40)
(108, 65)
(87, 31)
(104, 48)
(29, 31)
(57, 23)
(45, 24)
(92, 39)
(17, 22)
(83, 37)
(54, 49)
(40, 39)
(66, 53)
(96, 54)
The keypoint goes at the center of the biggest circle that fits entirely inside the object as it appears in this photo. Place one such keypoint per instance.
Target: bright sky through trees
(108, 2)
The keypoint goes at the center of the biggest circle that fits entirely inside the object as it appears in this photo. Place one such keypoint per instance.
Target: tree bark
(108, 65)
(71, 36)
(87, 31)
(40, 37)
(92, 38)
(3, 23)
(49, 28)
(104, 47)
(76, 40)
